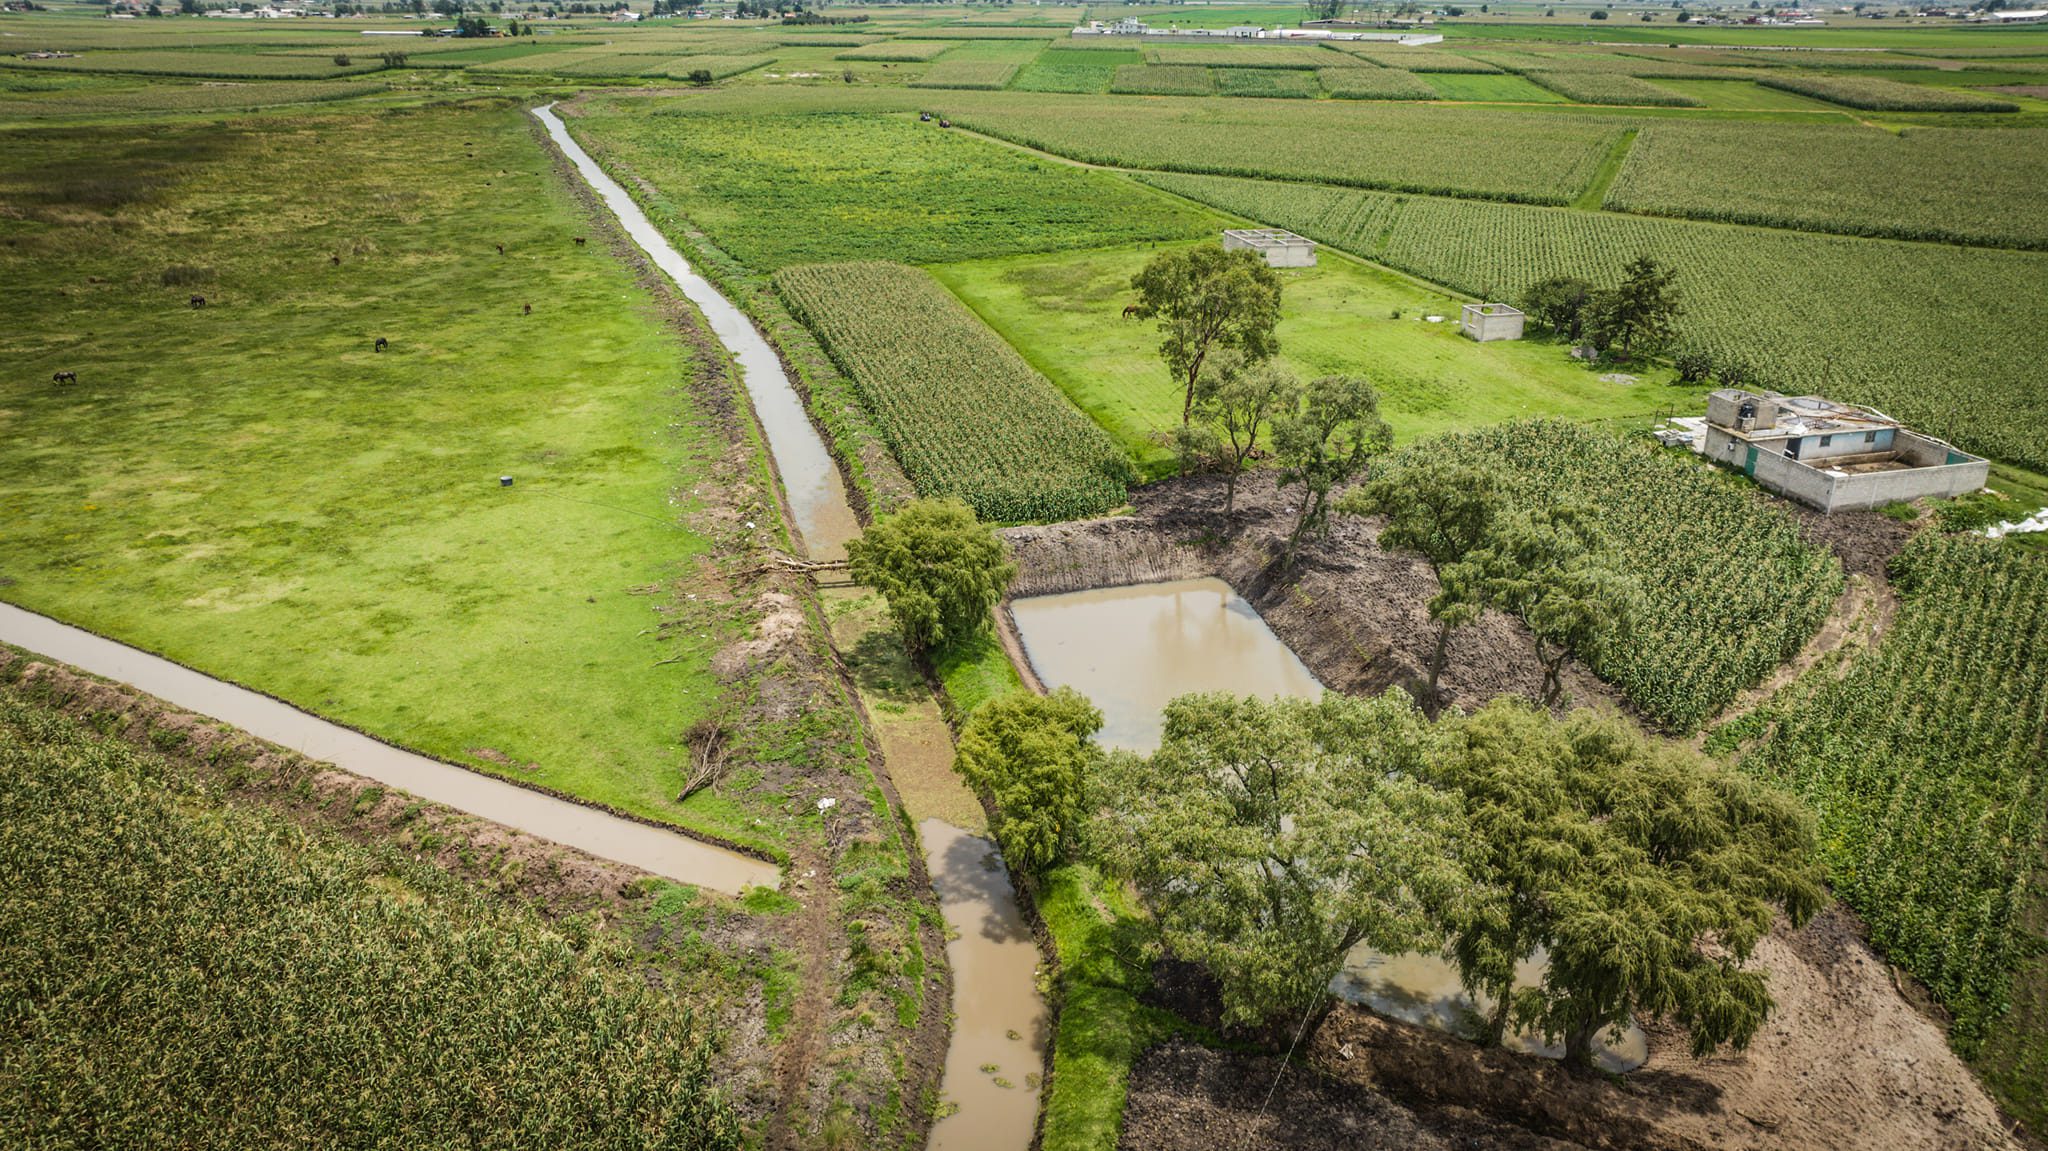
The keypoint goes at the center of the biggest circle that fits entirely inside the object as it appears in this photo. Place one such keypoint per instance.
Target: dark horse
(1131, 312)
(382, 343)
(64, 378)
(197, 301)
(579, 241)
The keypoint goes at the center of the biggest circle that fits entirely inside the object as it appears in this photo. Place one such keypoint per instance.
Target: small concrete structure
(1281, 249)
(1830, 456)
(1485, 322)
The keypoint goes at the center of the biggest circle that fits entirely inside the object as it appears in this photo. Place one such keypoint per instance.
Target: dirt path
(1859, 618)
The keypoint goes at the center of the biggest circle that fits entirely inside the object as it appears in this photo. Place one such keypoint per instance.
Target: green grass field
(1064, 314)
(250, 489)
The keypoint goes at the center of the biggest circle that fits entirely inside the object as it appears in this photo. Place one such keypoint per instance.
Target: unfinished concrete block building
(1831, 456)
(1485, 322)
(1281, 249)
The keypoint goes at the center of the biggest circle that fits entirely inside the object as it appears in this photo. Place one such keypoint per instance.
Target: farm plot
(1061, 69)
(720, 67)
(1500, 87)
(1374, 84)
(1273, 82)
(962, 411)
(1414, 148)
(1299, 56)
(1728, 591)
(988, 75)
(899, 51)
(1161, 80)
(773, 190)
(1421, 60)
(1610, 88)
(1925, 766)
(162, 98)
(180, 971)
(1876, 94)
(1939, 336)
(1919, 184)
(206, 65)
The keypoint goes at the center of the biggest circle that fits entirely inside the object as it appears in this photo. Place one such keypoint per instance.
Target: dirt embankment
(1844, 1063)
(1356, 614)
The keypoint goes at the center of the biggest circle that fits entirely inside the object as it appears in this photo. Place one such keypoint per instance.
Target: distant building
(1484, 322)
(1281, 249)
(1835, 457)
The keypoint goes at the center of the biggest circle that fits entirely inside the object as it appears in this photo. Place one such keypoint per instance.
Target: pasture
(251, 489)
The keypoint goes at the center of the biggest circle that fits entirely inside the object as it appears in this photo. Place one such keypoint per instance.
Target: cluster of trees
(1638, 314)
(1269, 837)
(1217, 312)
(1546, 564)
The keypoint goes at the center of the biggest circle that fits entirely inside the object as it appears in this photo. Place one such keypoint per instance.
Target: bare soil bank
(1355, 613)
(1846, 1062)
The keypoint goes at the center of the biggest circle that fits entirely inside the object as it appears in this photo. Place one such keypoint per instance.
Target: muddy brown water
(1131, 649)
(810, 481)
(994, 959)
(652, 849)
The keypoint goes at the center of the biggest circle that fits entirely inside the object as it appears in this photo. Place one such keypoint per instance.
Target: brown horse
(1131, 313)
(579, 241)
(64, 378)
(197, 301)
(526, 309)
(382, 343)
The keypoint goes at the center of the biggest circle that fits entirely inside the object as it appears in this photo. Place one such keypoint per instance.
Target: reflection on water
(1424, 989)
(1000, 1021)
(1131, 649)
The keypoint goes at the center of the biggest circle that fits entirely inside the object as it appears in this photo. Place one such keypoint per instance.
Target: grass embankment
(1064, 313)
(178, 972)
(250, 488)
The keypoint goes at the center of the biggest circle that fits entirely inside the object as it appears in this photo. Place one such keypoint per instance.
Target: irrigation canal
(997, 1009)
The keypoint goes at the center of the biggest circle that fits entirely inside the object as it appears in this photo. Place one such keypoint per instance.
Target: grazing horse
(1131, 313)
(945, 123)
(579, 241)
(526, 309)
(64, 378)
(335, 260)
(501, 249)
(382, 343)
(197, 301)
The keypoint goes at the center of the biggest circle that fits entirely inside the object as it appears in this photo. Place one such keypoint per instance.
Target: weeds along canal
(999, 1016)
(656, 850)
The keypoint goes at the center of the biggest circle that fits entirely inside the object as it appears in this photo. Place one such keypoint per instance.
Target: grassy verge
(974, 672)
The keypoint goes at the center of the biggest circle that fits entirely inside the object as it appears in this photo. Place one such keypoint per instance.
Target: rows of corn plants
(1420, 60)
(1944, 184)
(1609, 88)
(175, 972)
(1402, 147)
(1375, 84)
(1161, 80)
(1940, 336)
(161, 97)
(1927, 767)
(962, 411)
(1728, 590)
(989, 75)
(207, 65)
(1270, 82)
(1877, 94)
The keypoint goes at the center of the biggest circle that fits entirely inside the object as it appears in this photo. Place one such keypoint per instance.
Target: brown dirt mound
(1355, 613)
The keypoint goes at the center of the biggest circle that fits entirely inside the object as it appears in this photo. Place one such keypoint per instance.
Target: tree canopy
(1645, 872)
(1558, 304)
(1237, 400)
(1206, 298)
(1547, 566)
(1270, 836)
(1324, 442)
(1640, 313)
(940, 569)
(1034, 756)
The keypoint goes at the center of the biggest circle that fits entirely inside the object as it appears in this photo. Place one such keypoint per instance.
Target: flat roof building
(1832, 456)
(1485, 322)
(1282, 249)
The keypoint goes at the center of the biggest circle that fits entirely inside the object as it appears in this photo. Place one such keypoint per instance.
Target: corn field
(959, 407)
(1729, 590)
(179, 973)
(1941, 337)
(1878, 94)
(1927, 766)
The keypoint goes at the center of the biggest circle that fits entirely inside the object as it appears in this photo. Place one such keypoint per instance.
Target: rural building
(1835, 457)
(1282, 249)
(1485, 322)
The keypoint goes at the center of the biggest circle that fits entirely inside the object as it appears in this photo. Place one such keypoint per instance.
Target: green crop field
(1926, 766)
(1877, 94)
(220, 65)
(963, 412)
(180, 972)
(1375, 84)
(1497, 88)
(105, 101)
(1163, 80)
(1065, 314)
(1939, 336)
(1059, 69)
(1920, 184)
(1269, 82)
(1420, 60)
(1382, 145)
(1728, 589)
(1308, 57)
(1742, 96)
(774, 190)
(1610, 88)
(901, 51)
(250, 489)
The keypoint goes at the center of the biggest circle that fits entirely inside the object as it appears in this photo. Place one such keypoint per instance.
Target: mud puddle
(810, 480)
(1131, 649)
(992, 1067)
(1424, 990)
(652, 849)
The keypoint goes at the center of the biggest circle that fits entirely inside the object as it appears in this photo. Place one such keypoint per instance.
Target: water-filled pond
(1131, 649)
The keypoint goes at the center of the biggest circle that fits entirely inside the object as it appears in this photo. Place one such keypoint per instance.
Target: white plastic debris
(827, 804)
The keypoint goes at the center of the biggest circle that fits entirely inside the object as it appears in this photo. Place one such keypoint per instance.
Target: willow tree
(1269, 837)
(1325, 442)
(1442, 511)
(1646, 872)
(939, 568)
(1207, 299)
(1033, 755)
(1550, 567)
